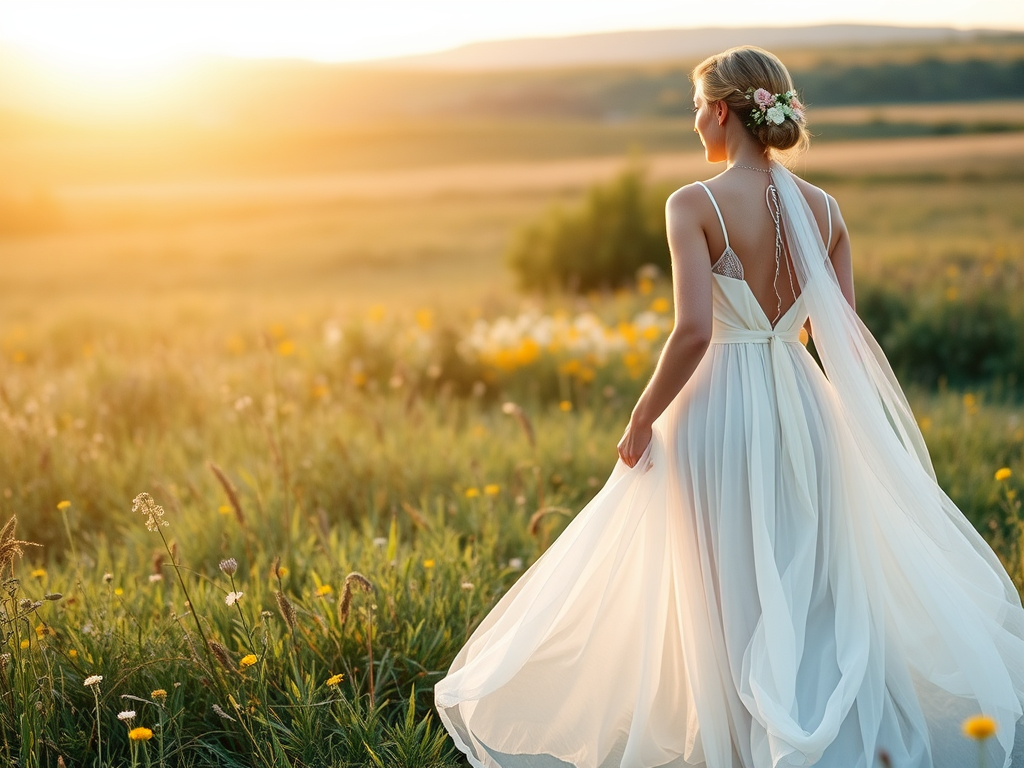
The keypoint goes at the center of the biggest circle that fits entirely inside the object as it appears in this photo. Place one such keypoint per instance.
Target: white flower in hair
(775, 115)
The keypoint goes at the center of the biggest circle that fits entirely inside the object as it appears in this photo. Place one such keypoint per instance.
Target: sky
(144, 33)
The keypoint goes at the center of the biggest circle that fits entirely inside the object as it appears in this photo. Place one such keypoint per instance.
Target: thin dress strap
(719, 212)
(828, 213)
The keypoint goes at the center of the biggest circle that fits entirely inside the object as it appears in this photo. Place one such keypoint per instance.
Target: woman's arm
(691, 289)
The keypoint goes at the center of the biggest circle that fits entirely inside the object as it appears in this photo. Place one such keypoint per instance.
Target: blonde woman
(771, 575)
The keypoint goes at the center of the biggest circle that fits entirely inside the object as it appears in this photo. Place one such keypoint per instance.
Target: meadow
(358, 434)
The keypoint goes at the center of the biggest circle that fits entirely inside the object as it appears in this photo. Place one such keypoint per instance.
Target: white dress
(749, 595)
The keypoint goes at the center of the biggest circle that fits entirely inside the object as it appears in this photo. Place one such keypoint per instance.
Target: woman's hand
(634, 442)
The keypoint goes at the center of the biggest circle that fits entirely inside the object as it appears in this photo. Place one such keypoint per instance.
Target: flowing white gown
(777, 582)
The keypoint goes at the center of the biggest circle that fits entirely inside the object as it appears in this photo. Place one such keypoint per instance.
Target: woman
(771, 575)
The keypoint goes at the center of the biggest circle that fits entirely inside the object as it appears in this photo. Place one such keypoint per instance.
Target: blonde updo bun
(726, 77)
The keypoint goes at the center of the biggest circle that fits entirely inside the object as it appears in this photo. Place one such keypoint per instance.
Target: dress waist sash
(726, 335)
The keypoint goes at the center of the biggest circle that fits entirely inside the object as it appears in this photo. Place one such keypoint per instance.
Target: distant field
(250, 253)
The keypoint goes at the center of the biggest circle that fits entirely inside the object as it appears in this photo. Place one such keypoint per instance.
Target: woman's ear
(723, 112)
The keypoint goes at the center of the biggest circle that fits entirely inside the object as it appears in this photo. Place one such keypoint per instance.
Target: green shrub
(619, 227)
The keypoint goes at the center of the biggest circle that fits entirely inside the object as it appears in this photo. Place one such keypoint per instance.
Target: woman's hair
(727, 76)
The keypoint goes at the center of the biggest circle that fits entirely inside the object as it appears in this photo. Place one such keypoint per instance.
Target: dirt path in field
(880, 156)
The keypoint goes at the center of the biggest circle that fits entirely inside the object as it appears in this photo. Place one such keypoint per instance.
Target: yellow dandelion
(979, 727)
(1003, 474)
(334, 679)
(428, 563)
(24, 644)
(73, 654)
(118, 591)
(140, 734)
(247, 661)
(39, 573)
(565, 406)
(472, 493)
(492, 489)
(323, 590)
(225, 509)
(63, 505)
(282, 571)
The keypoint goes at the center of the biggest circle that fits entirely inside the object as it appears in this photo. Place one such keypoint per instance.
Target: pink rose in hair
(763, 99)
(795, 103)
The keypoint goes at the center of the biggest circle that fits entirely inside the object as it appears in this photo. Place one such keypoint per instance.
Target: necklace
(771, 195)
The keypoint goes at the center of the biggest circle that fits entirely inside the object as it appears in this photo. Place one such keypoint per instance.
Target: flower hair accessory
(773, 108)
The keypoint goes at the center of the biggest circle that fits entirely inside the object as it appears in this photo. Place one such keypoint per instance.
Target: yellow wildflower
(39, 573)
(140, 734)
(428, 563)
(970, 403)
(24, 644)
(286, 348)
(492, 489)
(979, 727)
(1003, 474)
(660, 305)
(472, 493)
(247, 661)
(952, 293)
(225, 509)
(323, 590)
(63, 505)
(282, 571)
(334, 679)
(645, 286)
(565, 406)
(73, 654)
(118, 591)
(425, 319)
(159, 694)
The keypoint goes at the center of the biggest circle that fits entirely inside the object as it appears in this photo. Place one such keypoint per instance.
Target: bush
(619, 228)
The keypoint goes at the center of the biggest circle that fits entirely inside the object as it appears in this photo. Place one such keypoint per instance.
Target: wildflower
(144, 504)
(72, 654)
(63, 505)
(140, 734)
(323, 590)
(118, 591)
(565, 406)
(1003, 474)
(380, 541)
(286, 348)
(428, 563)
(24, 644)
(515, 563)
(467, 585)
(92, 680)
(660, 305)
(108, 577)
(229, 566)
(39, 573)
(247, 661)
(472, 493)
(128, 714)
(282, 571)
(155, 577)
(225, 509)
(233, 597)
(159, 694)
(492, 489)
(979, 727)
(334, 679)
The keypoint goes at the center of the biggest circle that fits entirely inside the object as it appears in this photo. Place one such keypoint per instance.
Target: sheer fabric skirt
(748, 596)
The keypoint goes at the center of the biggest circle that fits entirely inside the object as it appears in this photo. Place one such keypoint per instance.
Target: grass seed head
(222, 655)
(153, 512)
(287, 610)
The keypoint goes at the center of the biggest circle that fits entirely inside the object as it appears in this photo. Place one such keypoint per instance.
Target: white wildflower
(516, 563)
(92, 680)
(233, 597)
(229, 567)
(154, 513)
(128, 714)
(380, 541)
(467, 585)
(155, 577)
